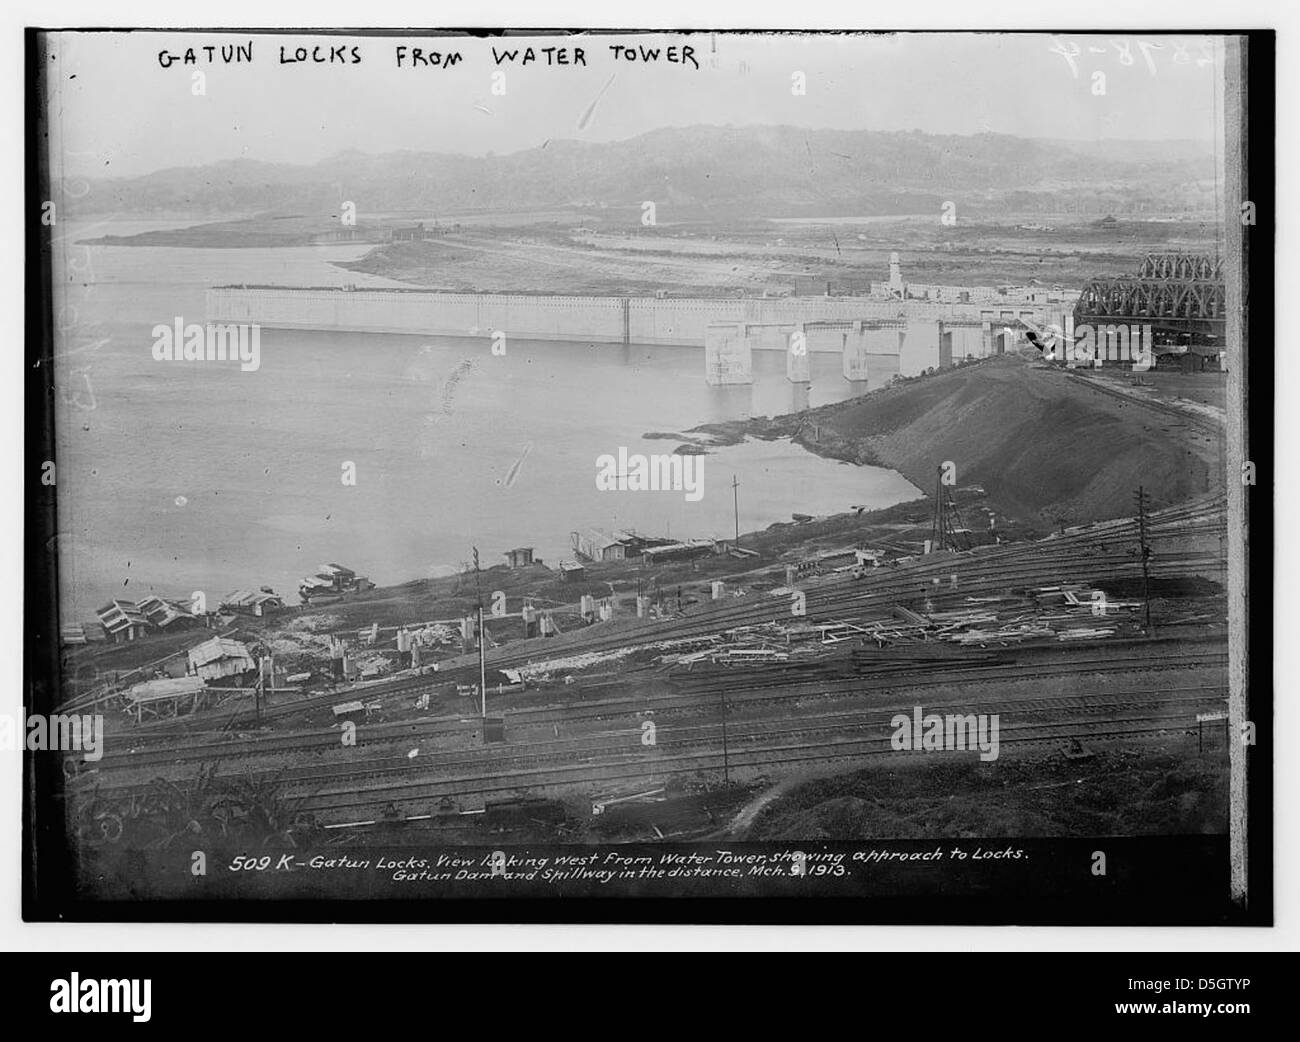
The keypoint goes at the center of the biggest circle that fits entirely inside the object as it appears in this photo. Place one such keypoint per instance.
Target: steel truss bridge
(1181, 296)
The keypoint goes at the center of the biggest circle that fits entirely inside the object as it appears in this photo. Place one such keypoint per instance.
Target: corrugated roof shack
(221, 657)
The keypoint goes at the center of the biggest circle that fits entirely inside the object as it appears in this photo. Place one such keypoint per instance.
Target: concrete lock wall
(645, 320)
(599, 319)
(876, 338)
(728, 355)
(668, 321)
(681, 321)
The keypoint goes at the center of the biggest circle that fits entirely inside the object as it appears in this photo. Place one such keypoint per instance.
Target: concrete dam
(883, 335)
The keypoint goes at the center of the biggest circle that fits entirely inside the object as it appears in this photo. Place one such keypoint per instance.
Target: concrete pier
(872, 349)
(797, 367)
(728, 355)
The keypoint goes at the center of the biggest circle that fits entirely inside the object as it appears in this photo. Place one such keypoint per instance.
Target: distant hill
(752, 171)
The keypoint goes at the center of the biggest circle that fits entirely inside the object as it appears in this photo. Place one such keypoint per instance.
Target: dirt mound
(1047, 448)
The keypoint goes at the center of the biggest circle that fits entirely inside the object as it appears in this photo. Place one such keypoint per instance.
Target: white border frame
(677, 14)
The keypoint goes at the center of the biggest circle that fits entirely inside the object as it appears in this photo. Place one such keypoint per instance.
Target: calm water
(176, 477)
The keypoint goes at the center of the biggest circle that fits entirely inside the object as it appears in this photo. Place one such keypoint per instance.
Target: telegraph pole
(947, 524)
(726, 766)
(936, 526)
(482, 651)
(1142, 497)
(735, 499)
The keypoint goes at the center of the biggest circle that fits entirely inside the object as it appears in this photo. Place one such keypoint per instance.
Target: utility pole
(735, 499)
(936, 525)
(726, 766)
(482, 651)
(1142, 498)
(947, 529)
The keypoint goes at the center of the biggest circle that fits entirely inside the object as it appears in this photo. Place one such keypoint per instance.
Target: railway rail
(743, 687)
(352, 800)
(627, 743)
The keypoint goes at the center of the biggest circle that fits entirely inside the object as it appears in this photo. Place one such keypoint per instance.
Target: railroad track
(1187, 416)
(712, 682)
(744, 687)
(627, 743)
(352, 802)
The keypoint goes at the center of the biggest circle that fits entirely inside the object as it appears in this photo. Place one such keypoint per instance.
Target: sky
(115, 111)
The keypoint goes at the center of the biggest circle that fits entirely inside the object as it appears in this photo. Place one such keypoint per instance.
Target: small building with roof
(167, 615)
(220, 657)
(520, 556)
(123, 621)
(253, 602)
(572, 572)
(597, 545)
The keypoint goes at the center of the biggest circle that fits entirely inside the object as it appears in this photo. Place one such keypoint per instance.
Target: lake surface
(175, 476)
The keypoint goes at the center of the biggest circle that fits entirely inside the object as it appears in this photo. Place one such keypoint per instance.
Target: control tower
(896, 287)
